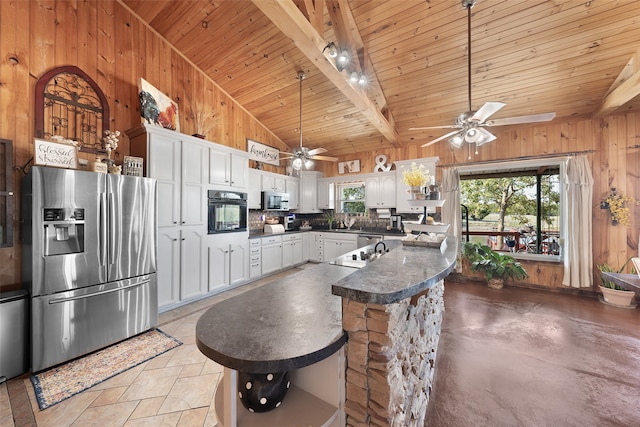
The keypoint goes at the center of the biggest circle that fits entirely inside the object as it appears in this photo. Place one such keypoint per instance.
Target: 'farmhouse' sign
(49, 153)
(263, 153)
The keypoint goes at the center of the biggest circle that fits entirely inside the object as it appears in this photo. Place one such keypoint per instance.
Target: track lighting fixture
(332, 49)
(343, 58)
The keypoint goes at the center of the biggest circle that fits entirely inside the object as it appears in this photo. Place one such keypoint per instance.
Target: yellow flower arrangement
(618, 205)
(417, 176)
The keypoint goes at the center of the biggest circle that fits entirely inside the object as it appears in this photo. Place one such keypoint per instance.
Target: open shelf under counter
(429, 203)
(298, 408)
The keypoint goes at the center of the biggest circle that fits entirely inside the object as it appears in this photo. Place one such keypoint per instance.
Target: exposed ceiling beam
(624, 89)
(348, 35)
(288, 18)
(313, 10)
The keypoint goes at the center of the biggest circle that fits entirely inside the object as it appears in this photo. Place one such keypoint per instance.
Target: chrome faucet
(384, 245)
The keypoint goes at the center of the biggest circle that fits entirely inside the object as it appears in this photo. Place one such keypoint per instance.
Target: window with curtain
(515, 208)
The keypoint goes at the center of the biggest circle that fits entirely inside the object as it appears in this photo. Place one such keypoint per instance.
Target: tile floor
(173, 389)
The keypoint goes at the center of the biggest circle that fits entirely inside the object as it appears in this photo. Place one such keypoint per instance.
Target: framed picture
(156, 108)
(351, 166)
(263, 153)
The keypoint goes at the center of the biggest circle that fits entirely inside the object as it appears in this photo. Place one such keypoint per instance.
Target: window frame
(339, 193)
(506, 165)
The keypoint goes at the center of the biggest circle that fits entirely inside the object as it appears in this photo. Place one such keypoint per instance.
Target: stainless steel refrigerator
(89, 260)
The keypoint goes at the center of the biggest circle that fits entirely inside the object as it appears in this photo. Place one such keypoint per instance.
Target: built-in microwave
(227, 211)
(274, 201)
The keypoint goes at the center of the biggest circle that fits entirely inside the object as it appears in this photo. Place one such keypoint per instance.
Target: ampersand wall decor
(381, 165)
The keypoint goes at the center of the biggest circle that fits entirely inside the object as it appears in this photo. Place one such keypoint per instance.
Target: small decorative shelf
(429, 228)
(427, 203)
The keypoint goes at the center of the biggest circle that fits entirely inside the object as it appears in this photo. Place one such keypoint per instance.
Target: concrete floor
(519, 357)
(514, 357)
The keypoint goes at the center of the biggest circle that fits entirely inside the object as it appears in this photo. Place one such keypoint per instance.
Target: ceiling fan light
(343, 58)
(296, 163)
(485, 136)
(456, 140)
(472, 135)
(308, 164)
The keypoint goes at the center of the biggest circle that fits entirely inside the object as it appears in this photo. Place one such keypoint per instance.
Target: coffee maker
(288, 222)
(395, 222)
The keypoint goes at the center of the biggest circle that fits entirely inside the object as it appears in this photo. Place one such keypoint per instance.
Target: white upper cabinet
(380, 191)
(326, 193)
(308, 202)
(292, 187)
(228, 167)
(273, 182)
(254, 189)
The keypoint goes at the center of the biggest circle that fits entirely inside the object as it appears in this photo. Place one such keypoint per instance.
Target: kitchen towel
(59, 383)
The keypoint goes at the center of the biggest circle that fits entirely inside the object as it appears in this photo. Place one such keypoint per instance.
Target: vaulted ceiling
(537, 56)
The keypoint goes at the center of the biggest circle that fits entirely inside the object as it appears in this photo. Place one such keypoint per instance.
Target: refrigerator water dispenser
(63, 235)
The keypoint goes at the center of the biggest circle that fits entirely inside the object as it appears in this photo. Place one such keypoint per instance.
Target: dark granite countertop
(253, 234)
(401, 273)
(297, 321)
(287, 324)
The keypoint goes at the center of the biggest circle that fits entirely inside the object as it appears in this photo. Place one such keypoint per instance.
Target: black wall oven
(227, 211)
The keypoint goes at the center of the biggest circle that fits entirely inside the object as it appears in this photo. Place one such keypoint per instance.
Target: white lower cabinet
(169, 259)
(307, 238)
(193, 265)
(227, 256)
(271, 254)
(335, 245)
(255, 258)
(291, 250)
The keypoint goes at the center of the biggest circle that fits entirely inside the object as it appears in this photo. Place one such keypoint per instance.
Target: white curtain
(451, 209)
(578, 259)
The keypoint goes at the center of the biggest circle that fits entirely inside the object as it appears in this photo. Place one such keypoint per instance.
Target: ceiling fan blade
(327, 158)
(437, 127)
(486, 110)
(316, 151)
(440, 138)
(534, 118)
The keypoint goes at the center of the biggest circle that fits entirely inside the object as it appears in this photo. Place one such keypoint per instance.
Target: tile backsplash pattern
(371, 221)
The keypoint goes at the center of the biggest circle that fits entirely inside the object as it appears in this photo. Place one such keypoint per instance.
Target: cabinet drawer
(292, 238)
(254, 242)
(271, 240)
(255, 251)
(255, 259)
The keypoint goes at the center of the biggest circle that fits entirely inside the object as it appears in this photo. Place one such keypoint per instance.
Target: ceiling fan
(301, 157)
(470, 126)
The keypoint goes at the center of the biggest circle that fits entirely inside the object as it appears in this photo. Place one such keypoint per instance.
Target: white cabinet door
(308, 202)
(292, 188)
(287, 254)
(326, 194)
(331, 248)
(165, 166)
(273, 182)
(219, 166)
(227, 168)
(168, 266)
(388, 191)
(218, 266)
(306, 246)
(334, 246)
(195, 167)
(271, 258)
(297, 257)
(239, 170)
(380, 191)
(254, 190)
(238, 262)
(193, 265)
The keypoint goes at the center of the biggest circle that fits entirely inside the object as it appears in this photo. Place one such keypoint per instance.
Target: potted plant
(612, 293)
(496, 267)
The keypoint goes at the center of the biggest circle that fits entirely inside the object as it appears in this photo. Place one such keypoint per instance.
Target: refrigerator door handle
(112, 229)
(103, 229)
(93, 294)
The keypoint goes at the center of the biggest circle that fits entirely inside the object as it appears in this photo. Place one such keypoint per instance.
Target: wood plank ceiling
(537, 56)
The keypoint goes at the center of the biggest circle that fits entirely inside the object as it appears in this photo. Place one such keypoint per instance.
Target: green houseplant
(496, 267)
(611, 292)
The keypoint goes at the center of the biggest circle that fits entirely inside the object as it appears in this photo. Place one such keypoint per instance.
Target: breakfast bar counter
(298, 321)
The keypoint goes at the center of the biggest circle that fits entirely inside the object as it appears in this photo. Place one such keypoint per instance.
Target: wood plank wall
(115, 49)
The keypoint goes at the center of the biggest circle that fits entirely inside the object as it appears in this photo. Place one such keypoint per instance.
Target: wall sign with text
(49, 153)
(263, 153)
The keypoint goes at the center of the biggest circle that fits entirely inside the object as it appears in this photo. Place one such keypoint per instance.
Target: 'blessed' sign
(263, 153)
(49, 153)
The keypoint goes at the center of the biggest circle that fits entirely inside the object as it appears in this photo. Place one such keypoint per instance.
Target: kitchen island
(303, 321)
